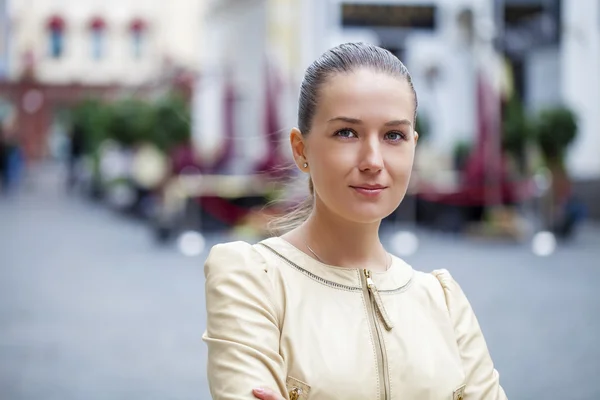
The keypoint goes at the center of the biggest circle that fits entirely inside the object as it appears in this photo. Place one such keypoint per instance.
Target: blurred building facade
(249, 46)
(102, 41)
(59, 51)
(551, 55)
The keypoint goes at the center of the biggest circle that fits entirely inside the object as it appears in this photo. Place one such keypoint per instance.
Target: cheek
(400, 164)
(333, 165)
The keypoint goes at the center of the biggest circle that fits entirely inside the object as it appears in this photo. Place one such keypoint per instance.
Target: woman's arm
(482, 380)
(242, 331)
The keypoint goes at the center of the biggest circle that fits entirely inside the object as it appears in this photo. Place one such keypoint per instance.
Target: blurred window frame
(137, 29)
(98, 38)
(56, 36)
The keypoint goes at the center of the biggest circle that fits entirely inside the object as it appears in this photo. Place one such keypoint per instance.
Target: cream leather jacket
(280, 319)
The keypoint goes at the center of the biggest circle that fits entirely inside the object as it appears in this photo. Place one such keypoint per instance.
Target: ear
(416, 137)
(298, 148)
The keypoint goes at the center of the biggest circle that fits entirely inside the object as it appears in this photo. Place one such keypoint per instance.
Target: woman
(324, 312)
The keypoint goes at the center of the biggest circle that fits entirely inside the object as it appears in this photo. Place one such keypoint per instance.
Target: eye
(395, 136)
(346, 133)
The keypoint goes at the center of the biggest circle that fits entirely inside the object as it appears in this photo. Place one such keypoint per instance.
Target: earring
(305, 165)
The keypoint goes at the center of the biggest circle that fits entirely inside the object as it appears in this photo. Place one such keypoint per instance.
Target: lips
(369, 187)
(369, 190)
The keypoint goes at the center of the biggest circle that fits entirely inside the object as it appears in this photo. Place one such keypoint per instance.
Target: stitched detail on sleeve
(442, 276)
(271, 294)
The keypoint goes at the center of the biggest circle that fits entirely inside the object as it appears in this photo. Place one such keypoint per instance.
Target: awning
(56, 22)
(97, 23)
(137, 25)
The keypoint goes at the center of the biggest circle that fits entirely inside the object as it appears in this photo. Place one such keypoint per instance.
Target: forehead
(366, 95)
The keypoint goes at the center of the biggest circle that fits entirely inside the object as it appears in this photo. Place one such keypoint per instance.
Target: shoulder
(456, 300)
(234, 256)
(238, 281)
(237, 267)
(436, 279)
(445, 279)
(437, 284)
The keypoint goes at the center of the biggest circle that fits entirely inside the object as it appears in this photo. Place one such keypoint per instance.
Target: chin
(368, 215)
(360, 212)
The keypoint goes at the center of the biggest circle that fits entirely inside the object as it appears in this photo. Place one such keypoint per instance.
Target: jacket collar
(395, 279)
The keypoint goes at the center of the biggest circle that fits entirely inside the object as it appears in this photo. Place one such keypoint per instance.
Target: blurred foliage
(131, 122)
(517, 130)
(164, 122)
(93, 118)
(552, 131)
(556, 129)
(172, 121)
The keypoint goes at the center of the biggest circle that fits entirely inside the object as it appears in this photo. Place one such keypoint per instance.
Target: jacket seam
(331, 284)
(441, 277)
(311, 275)
(276, 306)
(400, 289)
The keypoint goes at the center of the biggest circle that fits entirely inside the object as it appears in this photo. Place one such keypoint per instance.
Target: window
(137, 44)
(56, 37)
(97, 38)
(138, 33)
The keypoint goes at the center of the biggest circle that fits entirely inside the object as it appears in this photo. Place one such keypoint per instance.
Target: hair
(345, 58)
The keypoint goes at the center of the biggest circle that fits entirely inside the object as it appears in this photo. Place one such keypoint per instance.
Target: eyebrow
(349, 120)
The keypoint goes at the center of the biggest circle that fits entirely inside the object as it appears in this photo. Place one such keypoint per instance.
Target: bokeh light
(543, 244)
(191, 243)
(404, 243)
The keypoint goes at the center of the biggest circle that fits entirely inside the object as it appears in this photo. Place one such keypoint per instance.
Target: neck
(344, 243)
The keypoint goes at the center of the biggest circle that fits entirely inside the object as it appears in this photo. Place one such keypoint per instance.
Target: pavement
(92, 308)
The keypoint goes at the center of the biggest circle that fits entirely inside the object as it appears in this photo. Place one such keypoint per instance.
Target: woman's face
(361, 145)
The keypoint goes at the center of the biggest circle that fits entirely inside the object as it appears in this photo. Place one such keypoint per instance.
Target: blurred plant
(555, 131)
(172, 122)
(517, 132)
(132, 122)
(164, 123)
(94, 118)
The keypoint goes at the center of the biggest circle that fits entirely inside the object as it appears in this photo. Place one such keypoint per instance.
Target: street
(91, 308)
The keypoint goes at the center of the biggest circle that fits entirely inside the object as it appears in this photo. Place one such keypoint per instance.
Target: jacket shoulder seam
(309, 274)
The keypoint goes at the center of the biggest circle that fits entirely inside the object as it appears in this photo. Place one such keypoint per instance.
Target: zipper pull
(387, 322)
(295, 393)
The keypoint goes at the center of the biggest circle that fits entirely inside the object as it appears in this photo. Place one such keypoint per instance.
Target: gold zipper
(378, 302)
(377, 308)
(295, 393)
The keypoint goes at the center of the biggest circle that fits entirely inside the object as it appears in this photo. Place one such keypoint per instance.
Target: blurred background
(135, 134)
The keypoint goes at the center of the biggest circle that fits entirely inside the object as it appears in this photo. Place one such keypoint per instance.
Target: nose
(371, 158)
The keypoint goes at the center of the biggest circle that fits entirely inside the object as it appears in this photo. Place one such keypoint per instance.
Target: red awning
(56, 22)
(137, 25)
(97, 23)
